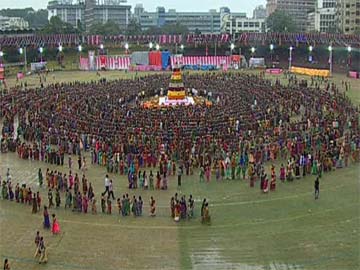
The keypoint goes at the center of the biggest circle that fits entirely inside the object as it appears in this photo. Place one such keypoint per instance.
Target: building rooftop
(82, 2)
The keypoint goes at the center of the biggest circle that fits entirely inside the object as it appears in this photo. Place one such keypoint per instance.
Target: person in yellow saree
(205, 219)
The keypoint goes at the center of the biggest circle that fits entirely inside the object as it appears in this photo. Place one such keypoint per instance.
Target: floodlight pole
(25, 59)
(331, 67)
(349, 58)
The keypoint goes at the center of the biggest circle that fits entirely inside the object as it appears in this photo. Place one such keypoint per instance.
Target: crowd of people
(79, 196)
(312, 128)
(252, 121)
(78, 199)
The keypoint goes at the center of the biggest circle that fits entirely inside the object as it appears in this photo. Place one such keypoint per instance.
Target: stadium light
(349, 57)
(330, 59)
(41, 50)
(271, 51)
(79, 49)
(232, 46)
(1, 53)
(311, 48)
(102, 46)
(60, 48)
(252, 49)
(182, 46)
(151, 45)
(126, 46)
(22, 51)
(290, 56)
(157, 47)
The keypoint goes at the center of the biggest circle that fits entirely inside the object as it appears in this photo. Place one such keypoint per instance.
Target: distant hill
(36, 19)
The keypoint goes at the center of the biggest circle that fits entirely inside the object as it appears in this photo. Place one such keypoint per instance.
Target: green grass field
(285, 229)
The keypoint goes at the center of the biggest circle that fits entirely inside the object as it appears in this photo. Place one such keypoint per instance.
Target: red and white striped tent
(113, 62)
(201, 60)
(84, 63)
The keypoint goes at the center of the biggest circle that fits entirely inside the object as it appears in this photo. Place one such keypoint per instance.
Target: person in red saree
(55, 226)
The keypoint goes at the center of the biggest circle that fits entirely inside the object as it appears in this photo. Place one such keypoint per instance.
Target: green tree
(16, 12)
(96, 28)
(37, 19)
(279, 21)
(168, 29)
(108, 28)
(153, 30)
(174, 28)
(133, 28)
(80, 26)
(57, 26)
(197, 31)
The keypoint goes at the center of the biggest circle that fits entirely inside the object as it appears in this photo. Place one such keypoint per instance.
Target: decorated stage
(176, 95)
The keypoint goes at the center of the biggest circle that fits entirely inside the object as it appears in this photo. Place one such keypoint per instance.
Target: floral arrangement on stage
(154, 103)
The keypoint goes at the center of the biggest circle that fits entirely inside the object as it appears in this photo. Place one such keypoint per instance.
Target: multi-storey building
(90, 12)
(204, 22)
(323, 18)
(297, 9)
(327, 4)
(348, 16)
(238, 25)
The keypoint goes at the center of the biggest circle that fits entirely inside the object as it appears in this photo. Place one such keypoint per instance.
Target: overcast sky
(150, 5)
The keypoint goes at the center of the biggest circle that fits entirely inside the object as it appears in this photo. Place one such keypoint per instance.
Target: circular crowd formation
(250, 116)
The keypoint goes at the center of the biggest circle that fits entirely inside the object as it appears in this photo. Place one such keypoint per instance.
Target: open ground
(285, 229)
